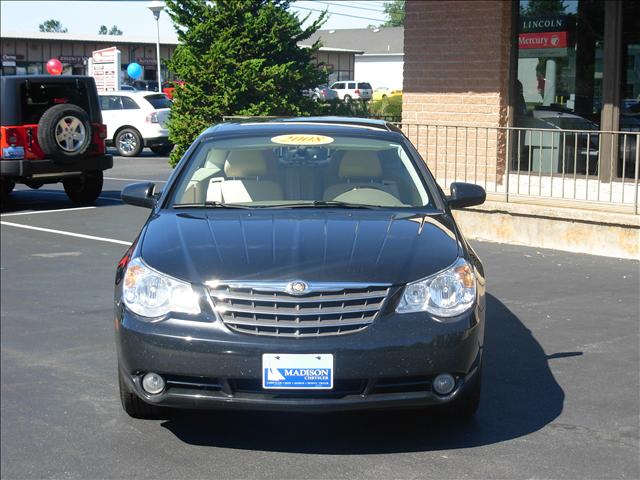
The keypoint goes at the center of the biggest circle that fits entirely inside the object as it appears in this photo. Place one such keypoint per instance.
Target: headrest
(245, 163)
(215, 158)
(360, 163)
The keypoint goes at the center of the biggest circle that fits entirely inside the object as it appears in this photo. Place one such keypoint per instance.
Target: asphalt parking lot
(560, 394)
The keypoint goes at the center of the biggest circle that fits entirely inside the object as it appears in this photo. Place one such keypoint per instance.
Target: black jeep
(51, 131)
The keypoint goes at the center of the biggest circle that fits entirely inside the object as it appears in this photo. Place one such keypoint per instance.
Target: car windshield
(365, 86)
(158, 101)
(298, 170)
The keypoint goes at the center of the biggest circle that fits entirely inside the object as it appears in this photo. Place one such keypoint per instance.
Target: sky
(85, 16)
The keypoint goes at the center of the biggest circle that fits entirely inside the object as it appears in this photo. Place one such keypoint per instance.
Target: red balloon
(54, 66)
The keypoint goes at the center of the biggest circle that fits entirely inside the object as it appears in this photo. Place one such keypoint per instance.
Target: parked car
(300, 264)
(169, 87)
(555, 152)
(146, 85)
(382, 93)
(128, 88)
(350, 90)
(136, 120)
(321, 93)
(51, 131)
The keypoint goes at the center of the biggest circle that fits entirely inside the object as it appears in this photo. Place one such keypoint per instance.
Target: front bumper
(388, 365)
(32, 169)
(156, 141)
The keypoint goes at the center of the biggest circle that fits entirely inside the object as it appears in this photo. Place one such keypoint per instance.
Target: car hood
(312, 245)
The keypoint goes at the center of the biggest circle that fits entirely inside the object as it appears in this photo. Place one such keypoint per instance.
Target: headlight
(445, 294)
(151, 294)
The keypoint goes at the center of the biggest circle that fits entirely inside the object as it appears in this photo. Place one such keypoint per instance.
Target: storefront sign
(72, 59)
(547, 23)
(104, 66)
(543, 36)
(146, 61)
(8, 60)
(543, 40)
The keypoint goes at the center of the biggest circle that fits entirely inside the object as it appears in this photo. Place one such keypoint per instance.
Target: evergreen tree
(542, 7)
(52, 26)
(237, 57)
(115, 30)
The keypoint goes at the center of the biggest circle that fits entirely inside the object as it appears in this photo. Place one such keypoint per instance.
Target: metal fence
(590, 169)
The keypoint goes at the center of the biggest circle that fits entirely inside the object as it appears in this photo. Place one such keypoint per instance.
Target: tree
(237, 57)
(396, 13)
(542, 7)
(52, 26)
(113, 31)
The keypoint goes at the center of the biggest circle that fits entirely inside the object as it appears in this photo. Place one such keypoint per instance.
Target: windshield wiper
(211, 205)
(324, 203)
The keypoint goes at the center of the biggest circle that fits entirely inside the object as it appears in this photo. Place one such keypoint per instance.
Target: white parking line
(135, 179)
(55, 192)
(44, 211)
(69, 234)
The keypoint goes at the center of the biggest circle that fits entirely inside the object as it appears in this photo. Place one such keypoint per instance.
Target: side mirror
(140, 194)
(466, 195)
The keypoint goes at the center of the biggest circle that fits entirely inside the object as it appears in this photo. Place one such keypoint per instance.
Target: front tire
(128, 142)
(347, 99)
(84, 189)
(134, 405)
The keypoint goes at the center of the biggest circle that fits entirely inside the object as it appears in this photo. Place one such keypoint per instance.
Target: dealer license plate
(297, 371)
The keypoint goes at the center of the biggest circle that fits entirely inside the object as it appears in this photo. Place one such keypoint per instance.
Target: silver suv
(351, 90)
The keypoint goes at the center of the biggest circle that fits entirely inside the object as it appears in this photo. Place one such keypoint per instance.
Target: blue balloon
(134, 70)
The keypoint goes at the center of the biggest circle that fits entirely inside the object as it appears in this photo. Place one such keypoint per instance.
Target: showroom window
(578, 68)
(560, 49)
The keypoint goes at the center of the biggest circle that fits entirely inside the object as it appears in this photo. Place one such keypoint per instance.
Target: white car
(136, 120)
(351, 90)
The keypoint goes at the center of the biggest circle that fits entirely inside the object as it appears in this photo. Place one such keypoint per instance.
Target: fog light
(152, 383)
(444, 384)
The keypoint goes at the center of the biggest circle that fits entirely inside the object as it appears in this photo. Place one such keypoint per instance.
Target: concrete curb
(572, 230)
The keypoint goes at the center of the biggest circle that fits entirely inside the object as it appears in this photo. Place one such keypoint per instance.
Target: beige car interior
(240, 176)
(245, 179)
(360, 180)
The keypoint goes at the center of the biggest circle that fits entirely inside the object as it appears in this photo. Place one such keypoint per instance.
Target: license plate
(13, 153)
(297, 371)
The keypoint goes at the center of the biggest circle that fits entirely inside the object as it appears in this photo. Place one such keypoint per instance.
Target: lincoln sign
(543, 36)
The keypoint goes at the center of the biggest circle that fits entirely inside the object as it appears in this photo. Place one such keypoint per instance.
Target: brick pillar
(456, 78)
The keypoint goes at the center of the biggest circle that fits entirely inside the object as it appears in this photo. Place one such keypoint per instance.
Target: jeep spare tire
(64, 132)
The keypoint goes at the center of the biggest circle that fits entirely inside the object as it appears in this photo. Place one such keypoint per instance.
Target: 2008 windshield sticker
(302, 139)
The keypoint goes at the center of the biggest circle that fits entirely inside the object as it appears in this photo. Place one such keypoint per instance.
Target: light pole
(156, 7)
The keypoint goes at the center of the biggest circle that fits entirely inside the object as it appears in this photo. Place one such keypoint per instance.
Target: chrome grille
(325, 309)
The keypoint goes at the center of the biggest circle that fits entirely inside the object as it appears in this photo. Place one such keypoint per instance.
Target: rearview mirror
(140, 194)
(466, 195)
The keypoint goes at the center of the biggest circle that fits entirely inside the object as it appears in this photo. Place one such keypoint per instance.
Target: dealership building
(538, 102)
(495, 65)
(27, 53)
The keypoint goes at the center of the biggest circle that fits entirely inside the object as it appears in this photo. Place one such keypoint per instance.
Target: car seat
(360, 169)
(245, 180)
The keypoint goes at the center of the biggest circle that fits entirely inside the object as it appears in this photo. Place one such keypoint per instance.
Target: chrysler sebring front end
(302, 264)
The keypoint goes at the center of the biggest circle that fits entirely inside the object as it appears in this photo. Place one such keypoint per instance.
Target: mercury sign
(104, 67)
(543, 36)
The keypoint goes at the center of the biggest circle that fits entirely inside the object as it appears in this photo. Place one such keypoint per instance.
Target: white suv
(351, 90)
(136, 120)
